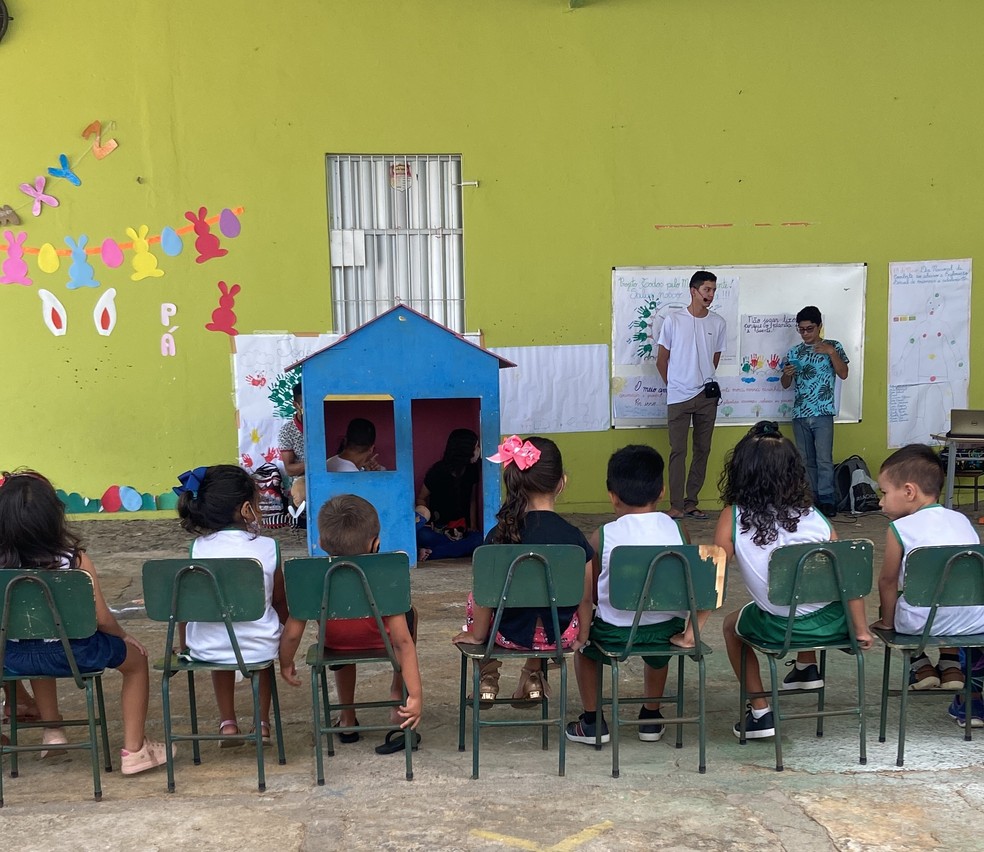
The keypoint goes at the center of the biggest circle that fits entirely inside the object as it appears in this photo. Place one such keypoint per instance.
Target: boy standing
(348, 526)
(813, 365)
(635, 487)
(910, 481)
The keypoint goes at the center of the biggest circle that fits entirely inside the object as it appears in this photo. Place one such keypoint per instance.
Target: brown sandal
(532, 689)
(488, 685)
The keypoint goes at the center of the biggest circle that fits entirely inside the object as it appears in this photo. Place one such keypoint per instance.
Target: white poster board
(759, 305)
(554, 389)
(928, 347)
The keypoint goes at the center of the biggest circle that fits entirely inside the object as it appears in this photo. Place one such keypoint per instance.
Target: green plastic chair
(520, 575)
(658, 579)
(39, 604)
(323, 588)
(804, 574)
(216, 590)
(949, 575)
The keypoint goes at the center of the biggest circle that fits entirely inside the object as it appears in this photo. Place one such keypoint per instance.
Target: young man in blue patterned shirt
(813, 365)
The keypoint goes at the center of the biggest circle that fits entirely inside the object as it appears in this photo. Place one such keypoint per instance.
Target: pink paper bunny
(144, 263)
(223, 317)
(206, 243)
(15, 267)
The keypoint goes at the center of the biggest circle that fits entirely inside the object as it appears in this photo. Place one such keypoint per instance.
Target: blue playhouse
(416, 381)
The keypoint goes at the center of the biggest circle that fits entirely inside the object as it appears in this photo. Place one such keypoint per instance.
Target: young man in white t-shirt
(690, 345)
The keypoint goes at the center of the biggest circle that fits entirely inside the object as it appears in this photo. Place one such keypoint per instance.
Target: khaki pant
(702, 412)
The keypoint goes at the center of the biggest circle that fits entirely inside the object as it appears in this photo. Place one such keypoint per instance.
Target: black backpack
(855, 489)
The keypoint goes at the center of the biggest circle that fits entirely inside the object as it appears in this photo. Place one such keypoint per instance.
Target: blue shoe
(584, 732)
(958, 712)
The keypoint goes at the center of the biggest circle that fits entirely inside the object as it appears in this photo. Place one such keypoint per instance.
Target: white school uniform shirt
(692, 343)
(258, 640)
(336, 464)
(934, 525)
(644, 528)
(753, 559)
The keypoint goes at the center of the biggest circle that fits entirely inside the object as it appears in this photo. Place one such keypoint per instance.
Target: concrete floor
(823, 800)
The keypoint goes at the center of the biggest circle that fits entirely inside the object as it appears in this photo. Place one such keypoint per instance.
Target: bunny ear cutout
(202, 213)
(190, 216)
(71, 243)
(143, 231)
(131, 234)
(83, 240)
(234, 289)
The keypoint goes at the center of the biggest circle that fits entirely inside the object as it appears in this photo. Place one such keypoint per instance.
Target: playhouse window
(340, 410)
(396, 236)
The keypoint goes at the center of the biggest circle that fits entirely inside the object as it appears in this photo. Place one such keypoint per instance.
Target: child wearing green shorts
(635, 487)
(768, 504)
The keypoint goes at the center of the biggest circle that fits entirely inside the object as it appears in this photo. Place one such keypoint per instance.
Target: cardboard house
(416, 381)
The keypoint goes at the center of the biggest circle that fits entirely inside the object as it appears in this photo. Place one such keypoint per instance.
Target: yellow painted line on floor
(566, 845)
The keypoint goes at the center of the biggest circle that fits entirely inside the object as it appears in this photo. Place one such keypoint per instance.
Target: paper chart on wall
(928, 347)
(554, 389)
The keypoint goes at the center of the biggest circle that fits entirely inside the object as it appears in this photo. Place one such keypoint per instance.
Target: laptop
(966, 423)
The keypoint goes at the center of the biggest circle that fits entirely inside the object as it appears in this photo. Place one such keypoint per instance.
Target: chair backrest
(510, 575)
(945, 575)
(821, 572)
(660, 578)
(348, 586)
(42, 604)
(204, 589)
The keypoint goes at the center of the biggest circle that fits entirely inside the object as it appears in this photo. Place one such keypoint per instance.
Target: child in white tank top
(769, 504)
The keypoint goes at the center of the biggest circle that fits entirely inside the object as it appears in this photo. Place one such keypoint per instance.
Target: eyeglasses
(806, 329)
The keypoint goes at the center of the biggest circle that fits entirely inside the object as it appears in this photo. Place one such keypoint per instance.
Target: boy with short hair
(635, 487)
(910, 481)
(813, 365)
(348, 526)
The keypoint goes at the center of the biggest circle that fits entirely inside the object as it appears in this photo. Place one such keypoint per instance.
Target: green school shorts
(825, 625)
(647, 634)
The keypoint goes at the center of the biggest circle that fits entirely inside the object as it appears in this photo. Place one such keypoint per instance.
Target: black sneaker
(808, 678)
(756, 729)
(584, 732)
(652, 731)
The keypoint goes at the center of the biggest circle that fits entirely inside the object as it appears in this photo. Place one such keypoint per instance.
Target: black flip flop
(396, 741)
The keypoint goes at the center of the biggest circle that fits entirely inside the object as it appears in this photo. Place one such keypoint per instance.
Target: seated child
(220, 504)
(768, 504)
(910, 481)
(348, 526)
(533, 474)
(357, 450)
(635, 487)
(447, 505)
(33, 534)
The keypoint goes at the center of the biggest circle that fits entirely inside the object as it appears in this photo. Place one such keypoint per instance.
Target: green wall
(585, 128)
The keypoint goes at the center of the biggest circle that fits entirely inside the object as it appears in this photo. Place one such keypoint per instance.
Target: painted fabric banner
(928, 347)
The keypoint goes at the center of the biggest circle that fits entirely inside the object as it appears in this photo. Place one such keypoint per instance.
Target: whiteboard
(759, 305)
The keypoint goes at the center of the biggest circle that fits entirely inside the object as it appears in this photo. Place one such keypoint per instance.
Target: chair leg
(600, 707)
(679, 701)
(476, 715)
(462, 680)
(196, 748)
(544, 710)
(326, 704)
(562, 709)
(742, 693)
(408, 741)
(822, 694)
(275, 698)
(903, 704)
(166, 702)
(13, 728)
(616, 724)
(863, 731)
(103, 727)
(258, 732)
(776, 715)
(90, 706)
(319, 765)
(883, 720)
(701, 717)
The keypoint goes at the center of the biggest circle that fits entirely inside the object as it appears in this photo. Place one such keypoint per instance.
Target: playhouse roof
(503, 362)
